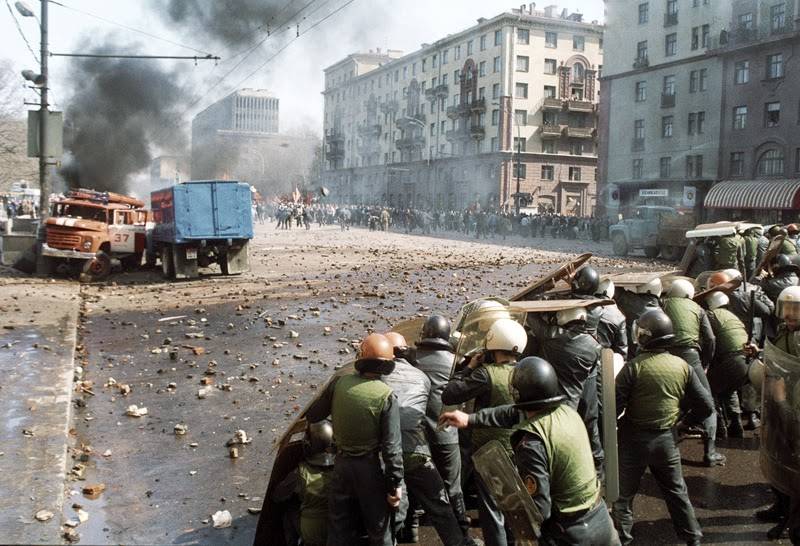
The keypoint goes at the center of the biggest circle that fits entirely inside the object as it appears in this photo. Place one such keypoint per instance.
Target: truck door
(122, 232)
(226, 204)
(637, 227)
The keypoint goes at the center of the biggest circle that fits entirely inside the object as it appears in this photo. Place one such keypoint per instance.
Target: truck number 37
(121, 237)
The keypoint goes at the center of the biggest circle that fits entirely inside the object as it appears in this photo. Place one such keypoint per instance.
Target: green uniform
(500, 380)
(731, 335)
(750, 254)
(788, 247)
(314, 482)
(660, 383)
(686, 316)
(728, 252)
(356, 409)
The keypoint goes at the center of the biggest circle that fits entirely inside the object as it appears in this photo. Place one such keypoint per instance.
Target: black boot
(753, 422)
(735, 429)
(712, 457)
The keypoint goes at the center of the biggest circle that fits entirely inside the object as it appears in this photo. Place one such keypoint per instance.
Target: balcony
(413, 120)
(580, 106)
(410, 142)
(369, 130)
(478, 105)
(550, 130)
(335, 152)
(741, 36)
(456, 135)
(641, 62)
(457, 111)
(441, 90)
(390, 107)
(477, 132)
(667, 100)
(552, 103)
(637, 145)
(580, 132)
(670, 19)
(334, 137)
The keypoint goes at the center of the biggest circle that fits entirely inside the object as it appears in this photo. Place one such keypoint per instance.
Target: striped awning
(754, 194)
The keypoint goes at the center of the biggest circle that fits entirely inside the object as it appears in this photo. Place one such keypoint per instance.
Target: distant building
(460, 121)
(167, 170)
(237, 138)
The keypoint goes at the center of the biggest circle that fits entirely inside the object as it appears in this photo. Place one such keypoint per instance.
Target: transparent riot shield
(474, 321)
(502, 480)
(780, 421)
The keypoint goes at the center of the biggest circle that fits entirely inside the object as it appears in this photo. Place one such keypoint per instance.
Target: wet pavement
(259, 346)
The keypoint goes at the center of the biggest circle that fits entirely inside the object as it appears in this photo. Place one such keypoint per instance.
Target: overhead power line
(124, 56)
(21, 33)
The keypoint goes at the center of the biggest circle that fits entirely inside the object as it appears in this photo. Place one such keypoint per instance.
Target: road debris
(43, 515)
(135, 411)
(221, 519)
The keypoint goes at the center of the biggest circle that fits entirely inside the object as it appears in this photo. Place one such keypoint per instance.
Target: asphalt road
(261, 345)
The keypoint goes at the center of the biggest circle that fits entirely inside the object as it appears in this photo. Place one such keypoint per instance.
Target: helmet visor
(474, 321)
(788, 310)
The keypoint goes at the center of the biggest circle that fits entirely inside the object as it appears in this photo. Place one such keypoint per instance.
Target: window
(434, 61)
(456, 76)
(671, 45)
(695, 38)
(644, 13)
(771, 163)
(638, 129)
(550, 39)
(745, 21)
(482, 68)
(520, 143)
(641, 51)
(692, 123)
(672, 7)
(548, 147)
(636, 168)
(521, 90)
(495, 117)
(521, 117)
(576, 148)
(495, 144)
(777, 16)
(481, 92)
(666, 126)
(575, 173)
(520, 169)
(668, 87)
(550, 66)
(424, 65)
(741, 72)
(548, 172)
(470, 47)
(496, 64)
(737, 164)
(665, 167)
(641, 91)
(483, 43)
(775, 66)
(694, 166)
(578, 43)
(444, 56)
(457, 52)
(498, 37)
(694, 81)
(578, 73)
(697, 123)
(705, 36)
(444, 79)
(523, 36)
(549, 118)
(496, 91)
(772, 114)
(740, 117)
(549, 91)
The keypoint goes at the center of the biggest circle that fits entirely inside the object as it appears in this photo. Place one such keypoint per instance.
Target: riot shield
(503, 483)
(549, 281)
(772, 250)
(780, 421)
(608, 373)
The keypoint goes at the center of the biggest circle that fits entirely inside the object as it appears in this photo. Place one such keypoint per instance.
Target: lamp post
(519, 161)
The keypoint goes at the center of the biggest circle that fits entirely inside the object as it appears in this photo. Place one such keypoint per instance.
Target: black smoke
(120, 113)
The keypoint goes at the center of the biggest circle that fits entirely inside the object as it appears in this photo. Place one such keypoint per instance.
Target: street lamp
(23, 9)
(36, 79)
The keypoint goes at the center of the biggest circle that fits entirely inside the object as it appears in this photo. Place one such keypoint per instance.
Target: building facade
(167, 170)
(501, 112)
(760, 137)
(660, 103)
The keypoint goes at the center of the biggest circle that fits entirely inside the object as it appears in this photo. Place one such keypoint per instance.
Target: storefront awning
(754, 194)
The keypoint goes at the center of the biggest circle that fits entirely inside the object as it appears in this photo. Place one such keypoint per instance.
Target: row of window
(772, 115)
(770, 163)
(694, 167)
(695, 126)
(774, 69)
(672, 9)
(520, 170)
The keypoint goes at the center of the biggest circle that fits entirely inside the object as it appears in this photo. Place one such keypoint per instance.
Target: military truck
(657, 230)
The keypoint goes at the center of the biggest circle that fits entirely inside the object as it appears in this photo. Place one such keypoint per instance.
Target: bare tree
(14, 163)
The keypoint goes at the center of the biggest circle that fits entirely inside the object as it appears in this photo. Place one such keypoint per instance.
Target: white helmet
(788, 305)
(717, 299)
(506, 335)
(490, 311)
(681, 288)
(653, 287)
(565, 316)
(733, 274)
(606, 288)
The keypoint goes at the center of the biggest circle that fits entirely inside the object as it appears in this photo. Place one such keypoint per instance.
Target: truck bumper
(47, 250)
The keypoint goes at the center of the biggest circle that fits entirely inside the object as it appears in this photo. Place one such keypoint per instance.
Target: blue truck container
(202, 222)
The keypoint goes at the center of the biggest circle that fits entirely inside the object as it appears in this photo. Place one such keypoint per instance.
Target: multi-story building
(660, 103)
(760, 137)
(504, 110)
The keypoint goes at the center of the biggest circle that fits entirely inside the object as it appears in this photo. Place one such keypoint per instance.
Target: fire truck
(89, 229)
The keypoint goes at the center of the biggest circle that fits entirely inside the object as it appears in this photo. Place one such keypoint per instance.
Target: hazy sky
(295, 75)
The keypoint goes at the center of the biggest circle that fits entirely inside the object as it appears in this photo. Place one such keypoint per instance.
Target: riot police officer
(729, 252)
(368, 474)
(693, 334)
(648, 390)
(784, 274)
(634, 303)
(552, 455)
(584, 286)
(487, 380)
(612, 332)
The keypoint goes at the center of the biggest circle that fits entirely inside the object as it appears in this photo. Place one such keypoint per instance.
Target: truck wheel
(651, 252)
(132, 262)
(620, 245)
(99, 267)
(167, 264)
(671, 253)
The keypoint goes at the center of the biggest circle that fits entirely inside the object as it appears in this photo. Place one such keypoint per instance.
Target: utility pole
(44, 187)
(519, 169)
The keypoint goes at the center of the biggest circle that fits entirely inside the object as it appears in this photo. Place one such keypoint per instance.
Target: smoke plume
(119, 110)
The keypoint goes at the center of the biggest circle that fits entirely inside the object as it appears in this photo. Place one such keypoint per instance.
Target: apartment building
(501, 113)
(661, 102)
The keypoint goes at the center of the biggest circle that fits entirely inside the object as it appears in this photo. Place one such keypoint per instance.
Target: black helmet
(780, 263)
(653, 330)
(436, 331)
(585, 281)
(318, 444)
(534, 384)
(776, 230)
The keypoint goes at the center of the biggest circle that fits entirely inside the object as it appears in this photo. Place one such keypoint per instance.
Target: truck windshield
(98, 214)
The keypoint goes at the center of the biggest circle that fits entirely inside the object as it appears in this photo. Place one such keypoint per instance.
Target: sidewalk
(37, 345)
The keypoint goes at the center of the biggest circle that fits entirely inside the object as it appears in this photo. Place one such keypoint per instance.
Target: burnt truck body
(202, 222)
